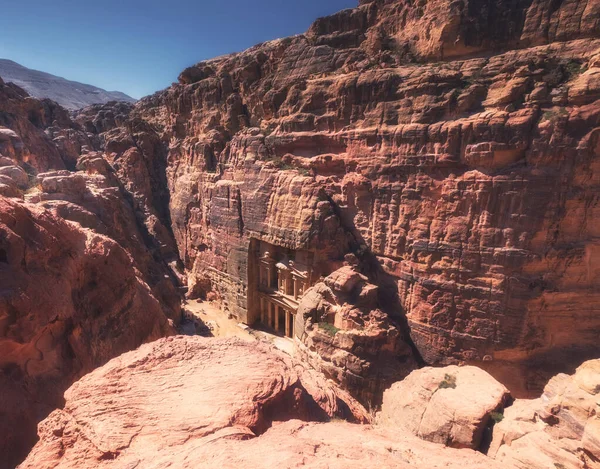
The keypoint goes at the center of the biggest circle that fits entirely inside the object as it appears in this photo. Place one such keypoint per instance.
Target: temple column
(295, 288)
(287, 323)
(277, 318)
(262, 310)
(269, 309)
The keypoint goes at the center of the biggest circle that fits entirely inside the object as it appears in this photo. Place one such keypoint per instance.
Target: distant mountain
(69, 94)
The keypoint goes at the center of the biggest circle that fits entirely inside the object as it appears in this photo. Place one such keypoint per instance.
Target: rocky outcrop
(82, 277)
(466, 407)
(342, 333)
(560, 429)
(22, 124)
(70, 301)
(193, 402)
(438, 161)
(453, 405)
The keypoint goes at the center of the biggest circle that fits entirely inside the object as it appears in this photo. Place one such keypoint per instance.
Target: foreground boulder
(451, 405)
(560, 429)
(189, 402)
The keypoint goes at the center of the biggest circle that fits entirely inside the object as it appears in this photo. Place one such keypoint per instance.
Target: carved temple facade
(282, 276)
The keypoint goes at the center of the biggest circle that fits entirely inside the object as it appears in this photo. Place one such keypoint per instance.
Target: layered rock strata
(561, 428)
(450, 147)
(437, 161)
(81, 279)
(466, 407)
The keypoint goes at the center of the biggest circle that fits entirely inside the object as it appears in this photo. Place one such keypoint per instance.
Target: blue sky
(140, 46)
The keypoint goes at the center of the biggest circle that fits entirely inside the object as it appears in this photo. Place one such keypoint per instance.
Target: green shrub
(573, 69)
(279, 163)
(553, 115)
(448, 383)
(328, 328)
(497, 417)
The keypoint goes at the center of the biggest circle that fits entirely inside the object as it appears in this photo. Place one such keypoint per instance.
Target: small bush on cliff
(448, 383)
(573, 69)
(281, 164)
(497, 417)
(553, 115)
(328, 328)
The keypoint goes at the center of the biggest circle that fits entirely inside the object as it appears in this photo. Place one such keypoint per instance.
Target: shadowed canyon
(407, 196)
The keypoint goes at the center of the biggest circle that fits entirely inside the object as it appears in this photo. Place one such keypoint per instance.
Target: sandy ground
(217, 321)
(221, 326)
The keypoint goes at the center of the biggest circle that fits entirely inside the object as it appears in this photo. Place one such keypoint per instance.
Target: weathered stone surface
(560, 429)
(447, 151)
(74, 293)
(16, 174)
(21, 128)
(465, 188)
(192, 402)
(70, 301)
(451, 405)
(341, 333)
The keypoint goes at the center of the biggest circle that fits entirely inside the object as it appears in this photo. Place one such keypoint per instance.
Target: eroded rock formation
(343, 334)
(451, 405)
(80, 279)
(450, 147)
(71, 300)
(461, 406)
(164, 405)
(560, 429)
(437, 162)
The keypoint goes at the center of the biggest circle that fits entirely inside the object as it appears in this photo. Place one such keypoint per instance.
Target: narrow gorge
(408, 194)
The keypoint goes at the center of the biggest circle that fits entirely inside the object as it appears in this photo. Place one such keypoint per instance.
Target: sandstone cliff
(79, 283)
(437, 161)
(449, 147)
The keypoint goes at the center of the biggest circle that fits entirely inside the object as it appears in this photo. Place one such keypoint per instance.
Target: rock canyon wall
(79, 284)
(447, 151)
(437, 165)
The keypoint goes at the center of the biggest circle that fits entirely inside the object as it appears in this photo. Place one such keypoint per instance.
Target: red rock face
(71, 300)
(79, 275)
(445, 152)
(561, 428)
(465, 187)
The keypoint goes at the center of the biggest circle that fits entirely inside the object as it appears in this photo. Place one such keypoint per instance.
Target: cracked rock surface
(189, 402)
